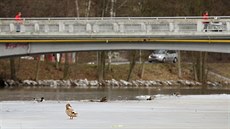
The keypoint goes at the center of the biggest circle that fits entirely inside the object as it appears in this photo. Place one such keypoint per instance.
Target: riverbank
(164, 112)
(157, 74)
(84, 83)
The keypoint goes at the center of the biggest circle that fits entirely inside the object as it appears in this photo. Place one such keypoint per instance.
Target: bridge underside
(22, 47)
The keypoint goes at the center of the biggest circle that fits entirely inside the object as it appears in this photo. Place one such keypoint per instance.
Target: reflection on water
(95, 93)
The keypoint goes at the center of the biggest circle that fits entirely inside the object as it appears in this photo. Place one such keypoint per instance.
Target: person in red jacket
(18, 21)
(205, 20)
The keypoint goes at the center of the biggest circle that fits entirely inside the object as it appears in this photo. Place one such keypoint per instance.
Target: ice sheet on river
(164, 112)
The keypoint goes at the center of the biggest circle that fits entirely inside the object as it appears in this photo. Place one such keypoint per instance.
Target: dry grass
(220, 68)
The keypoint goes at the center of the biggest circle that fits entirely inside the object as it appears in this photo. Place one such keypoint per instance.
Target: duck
(103, 99)
(42, 99)
(70, 112)
(176, 94)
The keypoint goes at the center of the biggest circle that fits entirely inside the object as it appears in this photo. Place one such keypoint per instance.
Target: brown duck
(70, 112)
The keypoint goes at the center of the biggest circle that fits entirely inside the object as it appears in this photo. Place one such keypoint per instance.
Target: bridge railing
(114, 25)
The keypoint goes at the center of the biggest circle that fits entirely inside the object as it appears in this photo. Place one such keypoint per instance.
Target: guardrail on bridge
(114, 26)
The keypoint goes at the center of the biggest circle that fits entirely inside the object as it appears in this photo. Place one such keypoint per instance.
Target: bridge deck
(52, 35)
(75, 28)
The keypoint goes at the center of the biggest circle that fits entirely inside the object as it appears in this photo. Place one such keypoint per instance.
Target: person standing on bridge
(205, 20)
(18, 21)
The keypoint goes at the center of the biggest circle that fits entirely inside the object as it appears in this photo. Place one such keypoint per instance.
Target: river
(97, 93)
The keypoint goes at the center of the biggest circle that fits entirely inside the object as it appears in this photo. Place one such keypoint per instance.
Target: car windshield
(159, 52)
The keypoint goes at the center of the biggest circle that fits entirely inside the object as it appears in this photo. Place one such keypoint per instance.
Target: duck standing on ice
(70, 112)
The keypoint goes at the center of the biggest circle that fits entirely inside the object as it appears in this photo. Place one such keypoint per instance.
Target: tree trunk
(19, 65)
(56, 61)
(103, 57)
(142, 69)
(60, 59)
(109, 60)
(37, 68)
(66, 67)
(112, 12)
(12, 68)
(179, 65)
(76, 57)
(200, 66)
(77, 8)
(194, 66)
(100, 67)
(88, 9)
(105, 7)
(132, 64)
(204, 68)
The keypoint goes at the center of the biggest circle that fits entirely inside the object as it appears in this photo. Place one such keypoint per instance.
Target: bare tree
(101, 66)
(12, 68)
(37, 68)
(87, 11)
(144, 57)
(179, 64)
(77, 8)
(112, 14)
(200, 67)
(132, 63)
(66, 67)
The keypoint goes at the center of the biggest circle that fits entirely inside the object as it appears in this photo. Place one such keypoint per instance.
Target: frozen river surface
(164, 112)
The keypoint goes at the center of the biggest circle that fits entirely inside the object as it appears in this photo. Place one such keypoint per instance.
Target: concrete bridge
(50, 35)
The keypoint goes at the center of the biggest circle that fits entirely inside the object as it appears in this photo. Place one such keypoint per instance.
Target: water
(96, 93)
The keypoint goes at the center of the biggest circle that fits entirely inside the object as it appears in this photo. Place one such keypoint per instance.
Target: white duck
(70, 112)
